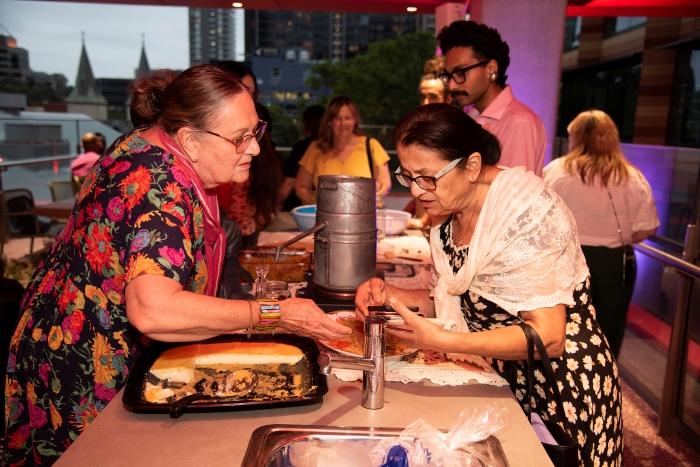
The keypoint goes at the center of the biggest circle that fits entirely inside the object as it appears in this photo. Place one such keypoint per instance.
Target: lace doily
(438, 368)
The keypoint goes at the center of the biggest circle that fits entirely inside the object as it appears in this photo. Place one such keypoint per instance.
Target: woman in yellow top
(341, 150)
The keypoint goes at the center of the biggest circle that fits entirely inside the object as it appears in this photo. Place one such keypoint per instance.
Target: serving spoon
(235, 384)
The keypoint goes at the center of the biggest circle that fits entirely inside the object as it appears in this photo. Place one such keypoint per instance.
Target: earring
(195, 159)
(473, 179)
(492, 76)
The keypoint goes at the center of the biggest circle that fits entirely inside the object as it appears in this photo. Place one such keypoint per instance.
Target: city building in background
(14, 61)
(216, 35)
(283, 45)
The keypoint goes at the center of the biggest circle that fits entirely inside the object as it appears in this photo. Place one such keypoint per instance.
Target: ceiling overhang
(650, 8)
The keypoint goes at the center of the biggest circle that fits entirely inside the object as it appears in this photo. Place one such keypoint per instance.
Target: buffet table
(118, 437)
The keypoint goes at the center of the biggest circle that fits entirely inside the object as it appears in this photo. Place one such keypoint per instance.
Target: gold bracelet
(250, 328)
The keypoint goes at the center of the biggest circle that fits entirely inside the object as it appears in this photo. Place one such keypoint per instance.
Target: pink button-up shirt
(520, 131)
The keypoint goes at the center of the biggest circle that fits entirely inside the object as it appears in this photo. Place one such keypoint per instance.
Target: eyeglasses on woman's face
(423, 181)
(459, 75)
(243, 142)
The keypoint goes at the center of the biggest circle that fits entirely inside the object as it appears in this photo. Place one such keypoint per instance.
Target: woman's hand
(426, 335)
(373, 292)
(303, 317)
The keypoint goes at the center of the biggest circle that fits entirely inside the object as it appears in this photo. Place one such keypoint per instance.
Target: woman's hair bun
(145, 94)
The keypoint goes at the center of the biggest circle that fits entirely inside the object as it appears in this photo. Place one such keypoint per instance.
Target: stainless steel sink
(311, 446)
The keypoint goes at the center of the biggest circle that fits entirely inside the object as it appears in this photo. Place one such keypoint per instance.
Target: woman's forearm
(303, 186)
(161, 310)
(508, 343)
(642, 235)
(304, 194)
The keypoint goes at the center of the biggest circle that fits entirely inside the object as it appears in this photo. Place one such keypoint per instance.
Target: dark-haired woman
(140, 256)
(505, 251)
(341, 149)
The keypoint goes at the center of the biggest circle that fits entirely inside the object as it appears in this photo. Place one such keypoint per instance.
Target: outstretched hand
(373, 292)
(303, 317)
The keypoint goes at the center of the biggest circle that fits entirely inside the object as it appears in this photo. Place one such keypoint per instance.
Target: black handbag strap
(533, 340)
(369, 157)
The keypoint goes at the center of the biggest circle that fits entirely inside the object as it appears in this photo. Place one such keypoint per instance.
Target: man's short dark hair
(485, 41)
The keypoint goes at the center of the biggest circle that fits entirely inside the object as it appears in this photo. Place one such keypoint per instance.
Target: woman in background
(341, 150)
(605, 193)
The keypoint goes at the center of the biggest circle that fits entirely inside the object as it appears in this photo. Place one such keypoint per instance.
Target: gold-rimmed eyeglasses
(243, 142)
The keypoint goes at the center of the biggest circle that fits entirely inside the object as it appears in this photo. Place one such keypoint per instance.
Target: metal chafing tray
(133, 391)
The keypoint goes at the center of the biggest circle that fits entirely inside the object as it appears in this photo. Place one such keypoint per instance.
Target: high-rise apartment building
(215, 35)
(281, 46)
(326, 35)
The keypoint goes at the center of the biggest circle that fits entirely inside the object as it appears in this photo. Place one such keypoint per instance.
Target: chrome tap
(372, 365)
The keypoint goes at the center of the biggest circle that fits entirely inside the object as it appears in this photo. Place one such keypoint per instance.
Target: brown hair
(595, 150)
(432, 70)
(448, 131)
(325, 132)
(194, 98)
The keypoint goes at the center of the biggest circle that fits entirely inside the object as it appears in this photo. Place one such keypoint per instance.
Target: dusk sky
(51, 32)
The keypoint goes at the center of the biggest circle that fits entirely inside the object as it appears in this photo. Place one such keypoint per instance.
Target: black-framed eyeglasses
(243, 142)
(459, 75)
(423, 181)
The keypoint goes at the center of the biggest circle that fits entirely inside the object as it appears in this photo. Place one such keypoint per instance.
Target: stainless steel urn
(345, 252)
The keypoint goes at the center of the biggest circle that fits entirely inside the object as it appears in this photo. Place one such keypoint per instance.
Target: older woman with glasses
(141, 255)
(342, 149)
(505, 252)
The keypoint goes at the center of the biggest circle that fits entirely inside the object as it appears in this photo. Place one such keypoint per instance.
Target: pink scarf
(214, 238)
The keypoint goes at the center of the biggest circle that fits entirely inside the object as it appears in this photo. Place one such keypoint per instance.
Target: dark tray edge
(133, 401)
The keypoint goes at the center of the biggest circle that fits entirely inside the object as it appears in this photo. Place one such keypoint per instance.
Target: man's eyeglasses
(459, 75)
(425, 182)
(243, 142)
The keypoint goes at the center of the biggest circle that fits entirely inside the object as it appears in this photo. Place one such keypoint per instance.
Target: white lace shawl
(524, 253)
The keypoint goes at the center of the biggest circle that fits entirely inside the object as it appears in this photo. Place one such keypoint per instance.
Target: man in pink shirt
(93, 150)
(476, 60)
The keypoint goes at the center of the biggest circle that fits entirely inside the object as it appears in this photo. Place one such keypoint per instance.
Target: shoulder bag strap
(369, 157)
(619, 230)
(533, 338)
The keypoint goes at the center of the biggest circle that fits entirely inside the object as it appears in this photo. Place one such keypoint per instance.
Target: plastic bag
(430, 447)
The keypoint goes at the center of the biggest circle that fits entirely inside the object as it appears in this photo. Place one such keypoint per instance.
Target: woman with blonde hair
(613, 205)
(342, 149)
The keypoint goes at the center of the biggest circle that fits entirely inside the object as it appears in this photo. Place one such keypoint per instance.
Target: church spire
(143, 68)
(85, 90)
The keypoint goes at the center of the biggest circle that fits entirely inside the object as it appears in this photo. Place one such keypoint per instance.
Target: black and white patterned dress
(586, 372)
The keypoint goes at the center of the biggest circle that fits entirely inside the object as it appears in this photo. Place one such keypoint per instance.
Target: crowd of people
(167, 205)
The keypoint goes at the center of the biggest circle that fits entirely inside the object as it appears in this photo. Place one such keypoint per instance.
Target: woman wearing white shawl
(505, 250)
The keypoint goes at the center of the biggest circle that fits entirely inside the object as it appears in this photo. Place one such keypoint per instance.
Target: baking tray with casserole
(228, 371)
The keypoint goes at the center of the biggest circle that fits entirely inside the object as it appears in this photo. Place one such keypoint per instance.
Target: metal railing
(671, 408)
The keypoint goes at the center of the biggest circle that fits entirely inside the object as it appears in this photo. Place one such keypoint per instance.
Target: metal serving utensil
(235, 384)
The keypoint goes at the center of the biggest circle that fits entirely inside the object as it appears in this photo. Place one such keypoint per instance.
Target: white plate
(336, 315)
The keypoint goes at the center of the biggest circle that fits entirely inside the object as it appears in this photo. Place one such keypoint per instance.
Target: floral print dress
(73, 346)
(586, 373)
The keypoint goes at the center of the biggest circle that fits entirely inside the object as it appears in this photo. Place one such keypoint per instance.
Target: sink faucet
(372, 365)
